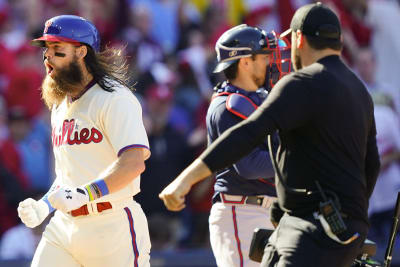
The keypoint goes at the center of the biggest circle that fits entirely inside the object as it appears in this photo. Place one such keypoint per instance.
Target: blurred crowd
(170, 47)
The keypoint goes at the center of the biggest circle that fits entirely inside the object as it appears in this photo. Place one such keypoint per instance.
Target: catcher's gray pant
(115, 237)
(302, 242)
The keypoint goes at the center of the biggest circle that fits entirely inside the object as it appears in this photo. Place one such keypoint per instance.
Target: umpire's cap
(315, 20)
(241, 41)
(69, 28)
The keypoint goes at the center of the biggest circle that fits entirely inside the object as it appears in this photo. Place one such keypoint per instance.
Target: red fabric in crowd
(8, 215)
(286, 12)
(361, 32)
(9, 57)
(24, 90)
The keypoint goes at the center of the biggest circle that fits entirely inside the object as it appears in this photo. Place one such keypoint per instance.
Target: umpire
(325, 120)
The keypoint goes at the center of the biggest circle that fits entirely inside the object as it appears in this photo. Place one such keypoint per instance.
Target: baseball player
(100, 146)
(327, 161)
(245, 190)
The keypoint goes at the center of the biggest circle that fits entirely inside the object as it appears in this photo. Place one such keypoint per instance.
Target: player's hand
(174, 194)
(32, 212)
(66, 199)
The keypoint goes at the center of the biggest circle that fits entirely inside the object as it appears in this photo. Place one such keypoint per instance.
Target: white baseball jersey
(89, 134)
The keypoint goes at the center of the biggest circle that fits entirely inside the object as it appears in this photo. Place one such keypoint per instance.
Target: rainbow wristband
(97, 189)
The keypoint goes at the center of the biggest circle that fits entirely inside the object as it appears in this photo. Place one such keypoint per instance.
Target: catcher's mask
(280, 63)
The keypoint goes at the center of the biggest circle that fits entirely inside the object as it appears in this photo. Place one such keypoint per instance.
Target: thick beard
(67, 81)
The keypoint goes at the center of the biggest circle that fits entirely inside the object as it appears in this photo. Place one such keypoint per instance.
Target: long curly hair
(108, 66)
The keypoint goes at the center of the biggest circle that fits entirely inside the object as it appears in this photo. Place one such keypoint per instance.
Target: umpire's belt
(262, 201)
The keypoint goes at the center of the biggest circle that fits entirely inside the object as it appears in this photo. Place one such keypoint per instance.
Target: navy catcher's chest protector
(238, 101)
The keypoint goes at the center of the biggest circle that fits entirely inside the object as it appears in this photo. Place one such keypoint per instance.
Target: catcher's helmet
(69, 28)
(242, 41)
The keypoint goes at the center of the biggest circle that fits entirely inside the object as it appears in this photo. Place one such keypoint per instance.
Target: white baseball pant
(114, 237)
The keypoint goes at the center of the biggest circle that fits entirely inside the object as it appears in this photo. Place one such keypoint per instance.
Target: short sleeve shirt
(91, 132)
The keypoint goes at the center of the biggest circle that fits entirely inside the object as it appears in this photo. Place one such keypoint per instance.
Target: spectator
(25, 81)
(366, 68)
(33, 142)
(169, 150)
(165, 26)
(169, 155)
(383, 199)
(383, 17)
(140, 45)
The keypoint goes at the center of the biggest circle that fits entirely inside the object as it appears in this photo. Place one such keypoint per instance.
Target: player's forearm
(126, 168)
(118, 175)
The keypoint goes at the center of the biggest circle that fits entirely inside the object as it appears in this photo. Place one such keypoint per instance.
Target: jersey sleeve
(123, 125)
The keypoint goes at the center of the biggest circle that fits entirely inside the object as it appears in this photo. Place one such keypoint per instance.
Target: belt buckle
(232, 199)
(268, 201)
(93, 208)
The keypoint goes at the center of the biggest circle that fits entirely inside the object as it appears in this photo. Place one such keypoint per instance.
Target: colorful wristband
(97, 189)
(51, 209)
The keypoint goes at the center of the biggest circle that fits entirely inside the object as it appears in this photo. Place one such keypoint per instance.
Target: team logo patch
(47, 25)
(233, 53)
(68, 194)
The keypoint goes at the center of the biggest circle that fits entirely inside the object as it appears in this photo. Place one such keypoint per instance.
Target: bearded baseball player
(244, 191)
(100, 146)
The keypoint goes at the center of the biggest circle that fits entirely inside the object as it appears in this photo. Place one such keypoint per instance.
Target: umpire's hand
(174, 194)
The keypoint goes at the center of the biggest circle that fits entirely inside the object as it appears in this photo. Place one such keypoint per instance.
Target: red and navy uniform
(253, 174)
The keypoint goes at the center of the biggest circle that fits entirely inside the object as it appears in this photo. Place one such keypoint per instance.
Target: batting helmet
(241, 41)
(69, 28)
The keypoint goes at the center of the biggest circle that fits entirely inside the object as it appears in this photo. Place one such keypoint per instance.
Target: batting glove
(66, 199)
(32, 212)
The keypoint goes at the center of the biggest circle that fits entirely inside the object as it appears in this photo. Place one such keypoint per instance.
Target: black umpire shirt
(325, 120)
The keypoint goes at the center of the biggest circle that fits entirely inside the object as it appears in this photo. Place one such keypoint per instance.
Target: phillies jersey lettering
(84, 136)
(101, 121)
